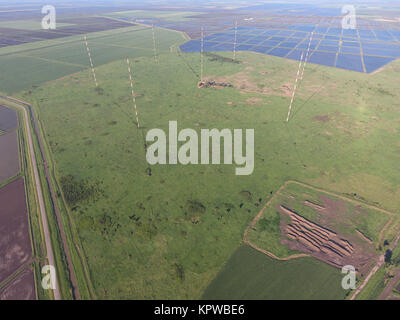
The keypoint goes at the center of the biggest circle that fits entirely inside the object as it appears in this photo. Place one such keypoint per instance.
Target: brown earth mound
(213, 84)
(320, 242)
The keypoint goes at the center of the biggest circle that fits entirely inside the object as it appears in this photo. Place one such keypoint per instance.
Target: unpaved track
(49, 249)
(380, 263)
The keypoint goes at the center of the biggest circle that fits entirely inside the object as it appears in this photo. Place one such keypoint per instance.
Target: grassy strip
(374, 287)
(79, 263)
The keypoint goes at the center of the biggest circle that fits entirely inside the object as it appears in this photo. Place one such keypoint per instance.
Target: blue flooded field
(365, 49)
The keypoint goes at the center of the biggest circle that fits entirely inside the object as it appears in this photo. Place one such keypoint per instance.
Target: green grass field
(145, 237)
(249, 274)
(374, 287)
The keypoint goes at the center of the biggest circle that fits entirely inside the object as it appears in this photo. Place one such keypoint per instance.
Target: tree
(388, 256)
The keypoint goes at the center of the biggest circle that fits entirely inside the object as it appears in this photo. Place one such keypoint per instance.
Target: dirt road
(380, 263)
(390, 286)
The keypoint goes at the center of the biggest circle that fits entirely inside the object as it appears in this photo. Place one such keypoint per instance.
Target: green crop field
(169, 235)
(31, 64)
(143, 14)
(249, 274)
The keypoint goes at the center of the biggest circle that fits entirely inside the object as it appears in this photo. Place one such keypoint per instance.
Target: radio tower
(202, 55)
(234, 43)
(154, 45)
(90, 60)
(295, 87)
(133, 92)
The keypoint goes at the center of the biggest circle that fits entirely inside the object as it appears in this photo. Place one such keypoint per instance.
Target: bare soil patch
(324, 118)
(242, 81)
(320, 225)
(253, 101)
(9, 159)
(324, 243)
(287, 89)
(15, 246)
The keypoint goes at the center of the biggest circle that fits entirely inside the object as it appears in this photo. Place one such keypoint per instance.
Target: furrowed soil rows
(332, 229)
(8, 119)
(9, 163)
(15, 246)
(21, 288)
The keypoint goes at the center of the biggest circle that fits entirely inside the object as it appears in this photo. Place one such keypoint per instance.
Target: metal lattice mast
(202, 55)
(154, 44)
(307, 55)
(235, 41)
(295, 87)
(90, 60)
(133, 92)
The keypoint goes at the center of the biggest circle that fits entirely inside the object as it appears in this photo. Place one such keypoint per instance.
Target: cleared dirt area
(323, 118)
(21, 288)
(15, 246)
(8, 119)
(323, 243)
(313, 222)
(244, 83)
(9, 159)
